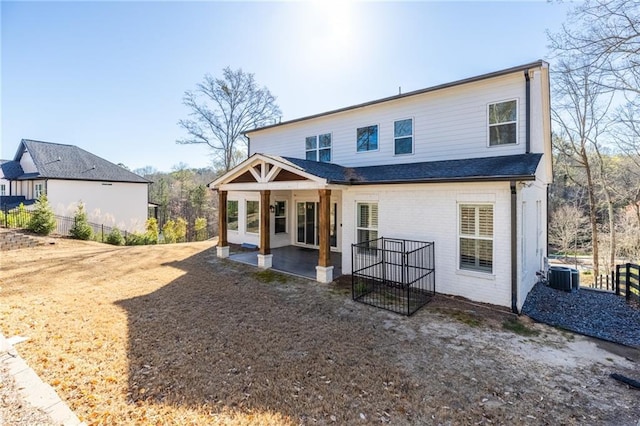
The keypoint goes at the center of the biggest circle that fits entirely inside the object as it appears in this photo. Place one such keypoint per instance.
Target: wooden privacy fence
(628, 281)
(624, 281)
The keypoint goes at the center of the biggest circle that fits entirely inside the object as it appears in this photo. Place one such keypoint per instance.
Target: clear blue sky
(109, 76)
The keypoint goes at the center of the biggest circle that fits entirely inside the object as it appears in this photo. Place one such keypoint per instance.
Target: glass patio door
(308, 219)
(307, 223)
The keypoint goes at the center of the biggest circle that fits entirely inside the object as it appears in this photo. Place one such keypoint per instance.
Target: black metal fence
(393, 274)
(19, 218)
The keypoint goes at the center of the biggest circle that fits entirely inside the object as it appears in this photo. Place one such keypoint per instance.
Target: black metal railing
(393, 274)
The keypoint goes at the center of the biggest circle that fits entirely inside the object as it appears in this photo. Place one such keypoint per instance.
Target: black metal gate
(393, 274)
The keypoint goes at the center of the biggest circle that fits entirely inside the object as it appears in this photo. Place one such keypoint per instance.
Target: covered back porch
(310, 223)
(300, 261)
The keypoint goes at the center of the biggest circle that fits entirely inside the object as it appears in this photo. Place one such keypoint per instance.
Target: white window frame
(246, 217)
(377, 126)
(237, 215)
(412, 136)
(285, 217)
(318, 148)
(38, 189)
(476, 236)
(489, 125)
(370, 227)
(3, 189)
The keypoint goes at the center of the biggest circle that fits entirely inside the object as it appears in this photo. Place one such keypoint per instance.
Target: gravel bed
(589, 312)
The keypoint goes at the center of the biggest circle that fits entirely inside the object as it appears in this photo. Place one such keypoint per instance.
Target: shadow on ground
(218, 337)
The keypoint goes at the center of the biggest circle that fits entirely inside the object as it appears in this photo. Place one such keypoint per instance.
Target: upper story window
(403, 137)
(318, 148)
(367, 138)
(503, 123)
(3, 189)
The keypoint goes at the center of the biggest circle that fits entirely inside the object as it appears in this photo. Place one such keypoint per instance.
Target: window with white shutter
(476, 237)
(367, 222)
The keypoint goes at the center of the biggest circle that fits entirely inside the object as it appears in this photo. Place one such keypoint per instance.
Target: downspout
(514, 247)
(248, 147)
(527, 111)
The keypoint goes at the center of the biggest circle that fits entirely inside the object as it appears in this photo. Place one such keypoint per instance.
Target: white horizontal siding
(448, 124)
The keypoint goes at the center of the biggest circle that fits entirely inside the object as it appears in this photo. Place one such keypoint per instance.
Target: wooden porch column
(265, 228)
(223, 244)
(324, 233)
(324, 270)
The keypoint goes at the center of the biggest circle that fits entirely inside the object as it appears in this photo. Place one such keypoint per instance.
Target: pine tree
(42, 219)
(81, 229)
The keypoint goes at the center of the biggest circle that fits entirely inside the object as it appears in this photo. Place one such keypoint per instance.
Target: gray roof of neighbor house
(58, 161)
(10, 169)
(507, 167)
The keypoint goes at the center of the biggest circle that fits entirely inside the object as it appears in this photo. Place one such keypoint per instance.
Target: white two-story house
(465, 165)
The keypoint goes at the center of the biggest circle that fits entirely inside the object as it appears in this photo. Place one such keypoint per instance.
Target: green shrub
(200, 226)
(42, 219)
(81, 230)
(151, 234)
(180, 230)
(168, 232)
(115, 237)
(138, 239)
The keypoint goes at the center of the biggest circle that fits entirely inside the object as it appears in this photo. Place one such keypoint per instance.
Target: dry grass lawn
(172, 335)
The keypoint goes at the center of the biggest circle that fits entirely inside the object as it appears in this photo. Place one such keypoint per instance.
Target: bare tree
(566, 228)
(580, 113)
(606, 33)
(222, 109)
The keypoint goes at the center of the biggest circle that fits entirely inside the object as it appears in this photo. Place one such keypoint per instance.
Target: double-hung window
(318, 148)
(3, 189)
(232, 215)
(367, 222)
(280, 220)
(367, 138)
(503, 123)
(38, 190)
(403, 137)
(476, 237)
(253, 217)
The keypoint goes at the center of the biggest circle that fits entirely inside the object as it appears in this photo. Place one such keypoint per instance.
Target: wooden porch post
(325, 232)
(265, 228)
(222, 219)
(223, 244)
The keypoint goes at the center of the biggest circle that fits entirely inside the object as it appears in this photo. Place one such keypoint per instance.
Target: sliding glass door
(308, 221)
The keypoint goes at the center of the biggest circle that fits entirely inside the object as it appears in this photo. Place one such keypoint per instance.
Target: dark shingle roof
(10, 169)
(510, 167)
(57, 161)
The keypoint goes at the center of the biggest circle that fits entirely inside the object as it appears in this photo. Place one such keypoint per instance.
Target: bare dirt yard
(172, 335)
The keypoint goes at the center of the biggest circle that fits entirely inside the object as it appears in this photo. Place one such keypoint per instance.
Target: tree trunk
(592, 216)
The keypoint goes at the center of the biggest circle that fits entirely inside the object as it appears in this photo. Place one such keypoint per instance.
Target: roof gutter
(514, 247)
(527, 111)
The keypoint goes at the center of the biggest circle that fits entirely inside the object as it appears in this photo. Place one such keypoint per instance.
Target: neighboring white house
(464, 164)
(111, 195)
